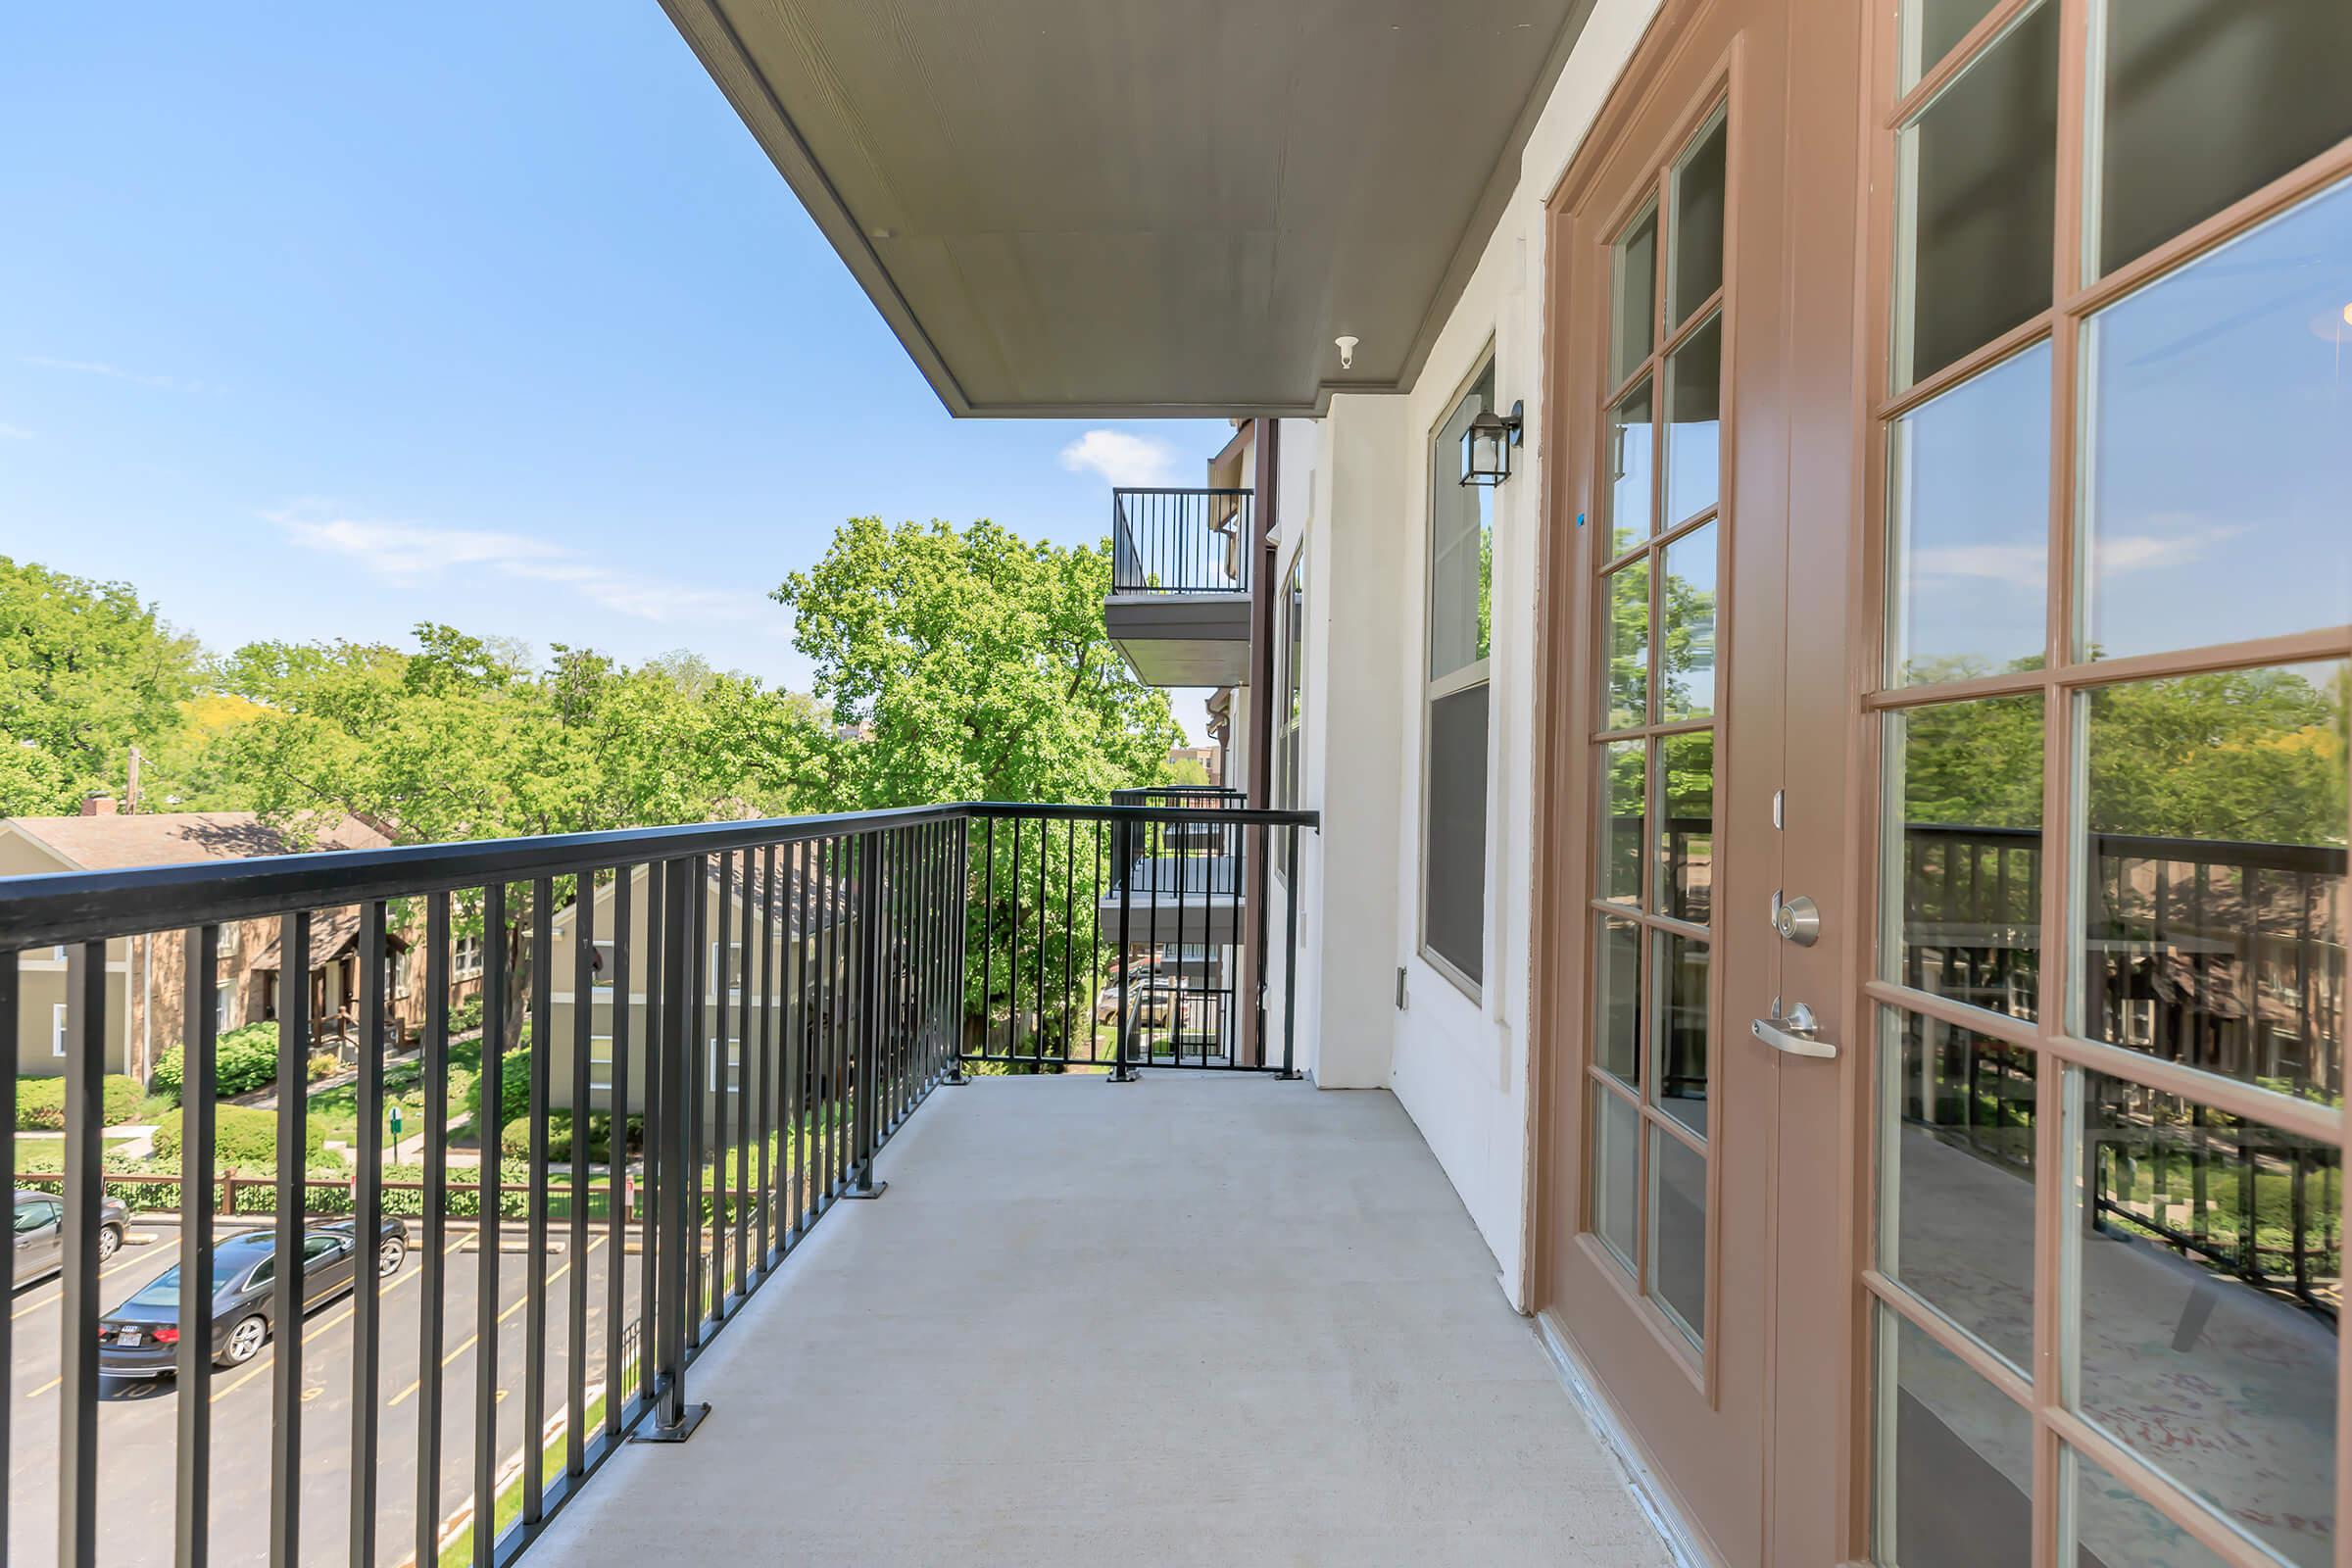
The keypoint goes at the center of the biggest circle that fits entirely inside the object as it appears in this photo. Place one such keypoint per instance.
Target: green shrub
(245, 1139)
(514, 1088)
(41, 1101)
(466, 1015)
(245, 1060)
(165, 1081)
(515, 1139)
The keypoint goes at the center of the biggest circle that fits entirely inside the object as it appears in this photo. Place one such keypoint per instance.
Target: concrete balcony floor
(1191, 1320)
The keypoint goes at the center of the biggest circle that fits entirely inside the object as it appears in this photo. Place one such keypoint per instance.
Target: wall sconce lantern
(1487, 445)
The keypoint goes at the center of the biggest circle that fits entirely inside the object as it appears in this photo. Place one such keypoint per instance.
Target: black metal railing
(1112, 939)
(1181, 541)
(742, 1098)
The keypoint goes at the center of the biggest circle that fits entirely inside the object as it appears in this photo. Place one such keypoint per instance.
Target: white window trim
(58, 1020)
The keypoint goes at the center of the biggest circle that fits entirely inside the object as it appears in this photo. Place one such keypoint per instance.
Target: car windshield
(164, 1288)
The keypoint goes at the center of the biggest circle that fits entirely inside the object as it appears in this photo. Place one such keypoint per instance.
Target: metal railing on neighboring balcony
(761, 1090)
(1166, 541)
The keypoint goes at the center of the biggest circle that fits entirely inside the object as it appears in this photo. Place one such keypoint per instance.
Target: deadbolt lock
(1797, 920)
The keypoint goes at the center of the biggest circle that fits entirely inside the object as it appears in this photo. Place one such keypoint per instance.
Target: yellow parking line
(52, 1301)
(340, 1317)
(472, 1340)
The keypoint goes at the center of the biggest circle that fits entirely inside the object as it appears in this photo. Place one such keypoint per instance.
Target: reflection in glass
(2114, 1528)
(1932, 28)
(1686, 829)
(1955, 1458)
(1461, 546)
(1616, 1125)
(1627, 789)
(1687, 661)
(1979, 196)
(1956, 1178)
(1964, 792)
(1678, 1232)
(2214, 901)
(1694, 423)
(1634, 295)
(2167, 162)
(1617, 999)
(1680, 1083)
(2221, 443)
(1968, 543)
(2210, 1251)
(1627, 451)
(1698, 189)
(1626, 593)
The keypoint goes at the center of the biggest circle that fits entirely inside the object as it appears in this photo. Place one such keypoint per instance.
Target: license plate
(131, 1337)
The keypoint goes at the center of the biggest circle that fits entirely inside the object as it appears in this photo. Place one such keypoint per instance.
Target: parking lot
(138, 1418)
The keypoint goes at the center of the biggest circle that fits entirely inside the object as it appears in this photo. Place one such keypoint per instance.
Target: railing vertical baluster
(988, 937)
(828, 1077)
(1122, 839)
(707, 1056)
(1045, 852)
(1012, 952)
(1094, 950)
(725, 1063)
(1182, 860)
(487, 1214)
(367, 1237)
(1069, 934)
(769, 1077)
(8, 1046)
(616, 1157)
(800, 1042)
(658, 956)
(1155, 854)
(84, 1192)
(864, 1076)
(575, 1301)
(1290, 962)
(432, 1065)
(200, 950)
(536, 1198)
(684, 879)
(739, 1080)
(285, 1370)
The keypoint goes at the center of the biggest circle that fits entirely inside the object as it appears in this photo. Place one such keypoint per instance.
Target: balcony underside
(1181, 639)
(1191, 1320)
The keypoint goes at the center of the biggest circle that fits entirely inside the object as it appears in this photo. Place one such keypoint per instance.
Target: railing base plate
(875, 1191)
(688, 1419)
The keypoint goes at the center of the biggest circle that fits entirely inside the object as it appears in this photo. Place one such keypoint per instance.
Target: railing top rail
(1179, 490)
(65, 907)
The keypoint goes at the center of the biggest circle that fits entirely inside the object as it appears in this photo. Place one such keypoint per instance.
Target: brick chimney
(98, 806)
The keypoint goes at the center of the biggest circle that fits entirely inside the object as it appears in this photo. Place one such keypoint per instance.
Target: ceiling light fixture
(1346, 347)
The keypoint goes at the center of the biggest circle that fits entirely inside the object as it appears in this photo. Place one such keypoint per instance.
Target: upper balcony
(1180, 564)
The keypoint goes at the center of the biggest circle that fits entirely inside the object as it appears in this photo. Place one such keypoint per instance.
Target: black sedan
(140, 1339)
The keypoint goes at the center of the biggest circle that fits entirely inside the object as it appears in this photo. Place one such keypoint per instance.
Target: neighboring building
(1206, 757)
(813, 929)
(147, 974)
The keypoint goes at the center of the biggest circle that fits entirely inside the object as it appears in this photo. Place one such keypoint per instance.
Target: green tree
(87, 670)
(973, 664)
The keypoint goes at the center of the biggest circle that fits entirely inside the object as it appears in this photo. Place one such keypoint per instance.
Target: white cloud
(94, 367)
(409, 552)
(2191, 541)
(2020, 565)
(1121, 458)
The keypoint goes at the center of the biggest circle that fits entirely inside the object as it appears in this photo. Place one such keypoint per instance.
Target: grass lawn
(336, 1110)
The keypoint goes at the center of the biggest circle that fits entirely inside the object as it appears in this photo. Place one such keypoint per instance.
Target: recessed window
(1455, 731)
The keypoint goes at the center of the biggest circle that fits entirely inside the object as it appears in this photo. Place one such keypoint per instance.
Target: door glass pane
(1615, 1128)
(1627, 451)
(1956, 1178)
(2210, 1251)
(2114, 1528)
(1694, 423)
(1617, 1001)
(1698, 194)
(1689, 657)
(2167, 162)
(1955, 1458)
(2214, 904)
(1978, 198)
(1964, 794)
(2221, 443)
(1622, 778)
(1678, 1232)
(1967, 506)
(1933, 29)
(1680, 1083)
(1626, 593)
(1687, 832)
(1634, 293)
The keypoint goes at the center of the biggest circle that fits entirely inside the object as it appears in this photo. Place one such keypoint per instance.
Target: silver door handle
(1793, 1035)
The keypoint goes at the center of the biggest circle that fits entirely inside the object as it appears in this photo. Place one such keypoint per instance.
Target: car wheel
(110, 1240)
(245, 1340)
(389, 1256)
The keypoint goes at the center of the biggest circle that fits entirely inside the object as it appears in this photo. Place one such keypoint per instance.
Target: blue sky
(318, 321)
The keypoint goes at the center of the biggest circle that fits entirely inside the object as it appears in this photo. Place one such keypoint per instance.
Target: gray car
(41, 1233)
(140, 1339)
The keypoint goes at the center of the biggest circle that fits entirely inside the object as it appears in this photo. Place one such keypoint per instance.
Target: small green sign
(396, 1121)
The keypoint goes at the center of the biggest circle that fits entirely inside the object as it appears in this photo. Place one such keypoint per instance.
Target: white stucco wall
(1458, 1065)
